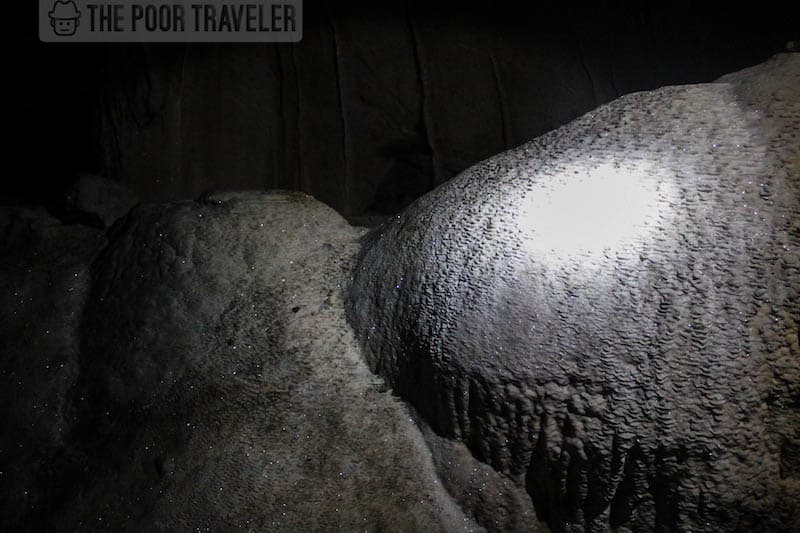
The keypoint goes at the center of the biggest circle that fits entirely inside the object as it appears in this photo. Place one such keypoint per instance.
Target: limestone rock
(44, 283)
(609, 314)
(596, 330)
(220, 386)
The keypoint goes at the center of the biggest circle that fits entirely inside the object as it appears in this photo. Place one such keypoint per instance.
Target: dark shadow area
(374, 107)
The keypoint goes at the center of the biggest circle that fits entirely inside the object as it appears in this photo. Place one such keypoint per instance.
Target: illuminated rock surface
(605, 317)
(608, 315)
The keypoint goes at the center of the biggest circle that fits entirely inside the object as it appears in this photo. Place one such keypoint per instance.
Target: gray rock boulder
(608, 315)
(598, 329)
(220, 386)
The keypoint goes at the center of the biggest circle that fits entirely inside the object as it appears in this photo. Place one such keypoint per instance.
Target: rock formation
(203, 375)
(608, 314)
(595, 330)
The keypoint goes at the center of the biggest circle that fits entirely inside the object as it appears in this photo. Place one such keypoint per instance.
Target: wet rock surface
(608, 315)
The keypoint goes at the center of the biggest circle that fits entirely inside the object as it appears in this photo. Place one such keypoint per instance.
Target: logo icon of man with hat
(64, 18)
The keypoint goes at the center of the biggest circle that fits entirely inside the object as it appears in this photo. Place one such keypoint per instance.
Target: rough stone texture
(608, 315)
(44, 280)
(213, 382)
(192, 367)
(491, 497)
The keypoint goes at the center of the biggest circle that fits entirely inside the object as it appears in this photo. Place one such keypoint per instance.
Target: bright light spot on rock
(591, 211)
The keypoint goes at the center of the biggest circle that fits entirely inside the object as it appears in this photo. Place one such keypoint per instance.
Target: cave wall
(376, 105)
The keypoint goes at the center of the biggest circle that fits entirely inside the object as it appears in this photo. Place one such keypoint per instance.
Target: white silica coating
(609, 313)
